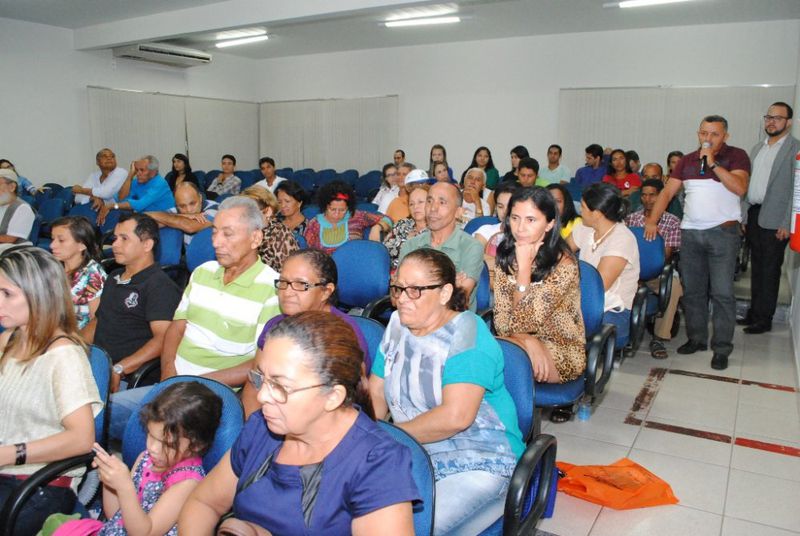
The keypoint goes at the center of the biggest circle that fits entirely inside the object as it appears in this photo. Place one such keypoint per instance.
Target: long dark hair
(553, 248)
(187, 166)
(474, 163)
(331, 351)
(442, 269)
(569, 213)
(83, 232)
(610, 169)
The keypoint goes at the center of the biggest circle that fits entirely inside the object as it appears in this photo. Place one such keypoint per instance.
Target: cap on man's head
(9, 175)
(418, 176)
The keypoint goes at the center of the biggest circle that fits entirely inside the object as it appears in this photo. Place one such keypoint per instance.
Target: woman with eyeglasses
(313, 461)
(307, 283)
(439, 371)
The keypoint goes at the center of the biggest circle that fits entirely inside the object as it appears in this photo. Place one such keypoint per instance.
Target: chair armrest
(638, 312)
(14, 504)
(665, 288)
(376, 308)
(533, 474)
(602, 344)
(142, 372)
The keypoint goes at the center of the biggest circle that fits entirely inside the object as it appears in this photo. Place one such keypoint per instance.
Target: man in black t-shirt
(138, 300)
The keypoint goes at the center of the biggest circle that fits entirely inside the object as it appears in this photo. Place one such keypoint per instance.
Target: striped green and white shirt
(224, 321)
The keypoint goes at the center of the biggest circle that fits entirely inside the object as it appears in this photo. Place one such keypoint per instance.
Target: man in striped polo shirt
(222, 312)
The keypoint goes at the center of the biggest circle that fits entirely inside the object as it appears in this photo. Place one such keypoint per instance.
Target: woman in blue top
(312, 461)
(440, 372)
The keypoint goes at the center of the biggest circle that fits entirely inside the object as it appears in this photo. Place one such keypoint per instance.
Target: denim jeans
(123, 404)
(468, 503)
(708, 264)
(622, 321)
(45, 501)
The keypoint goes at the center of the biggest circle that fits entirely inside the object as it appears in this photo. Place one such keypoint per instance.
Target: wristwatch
(522, 288)
(116, 205)
(118, 369)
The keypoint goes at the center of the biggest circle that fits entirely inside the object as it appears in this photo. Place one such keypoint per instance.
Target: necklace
(596, 243)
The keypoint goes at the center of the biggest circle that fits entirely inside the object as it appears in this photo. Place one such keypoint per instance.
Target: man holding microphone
(715, 177)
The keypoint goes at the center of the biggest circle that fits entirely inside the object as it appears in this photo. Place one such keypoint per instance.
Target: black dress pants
(766, 259)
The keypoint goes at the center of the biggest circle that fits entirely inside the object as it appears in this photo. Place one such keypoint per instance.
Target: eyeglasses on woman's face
(299, 286)
(412, 291)
(279, 393)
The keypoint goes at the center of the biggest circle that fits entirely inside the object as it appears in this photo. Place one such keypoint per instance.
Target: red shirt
(631, 180)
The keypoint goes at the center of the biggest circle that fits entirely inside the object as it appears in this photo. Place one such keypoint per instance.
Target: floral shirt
(321, 234)
(402, 231)
(87, 285)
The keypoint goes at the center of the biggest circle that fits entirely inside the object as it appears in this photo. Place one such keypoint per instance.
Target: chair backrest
(483, 292)
(286, 173)
(35, 228)
(651, 254)
(422, 472)
(518, 379)
(324, 176)
(110, 222)
(170, 246)
(301, 241)
(476, 223)
(310, 210)
(101, 370)
(350, 176)
(575, 190)
(201, 178)
(363, 267)
(592, 298)
(230, 424)
(68, 196)
(307, 179)
(84, 210)
(51, 209)
(368, 182)
(367, 207)
(200, 249)
(246, 177)
(373, 333)
(54, 187)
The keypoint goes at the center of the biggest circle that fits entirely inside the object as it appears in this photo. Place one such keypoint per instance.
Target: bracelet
(22, 453)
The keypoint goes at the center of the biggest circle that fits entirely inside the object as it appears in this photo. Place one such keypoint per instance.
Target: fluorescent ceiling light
(240, 33)
(421, 22)
(427, 11)
(243, 41)
(646, 3)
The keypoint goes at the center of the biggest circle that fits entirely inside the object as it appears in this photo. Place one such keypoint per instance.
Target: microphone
(704, 160)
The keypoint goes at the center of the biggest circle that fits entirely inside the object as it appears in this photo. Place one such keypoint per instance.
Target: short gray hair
(477, 170)
(101, 151)
(152, 162)
(251, 214)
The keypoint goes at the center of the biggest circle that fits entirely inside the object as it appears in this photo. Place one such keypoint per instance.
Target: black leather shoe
(719, 362)
(744, 321)
(758, 327)
(690, 347)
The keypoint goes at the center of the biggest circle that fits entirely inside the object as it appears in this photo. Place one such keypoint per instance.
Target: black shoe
(719, 362)
(744, 321)
(758, 327)
(690, 347)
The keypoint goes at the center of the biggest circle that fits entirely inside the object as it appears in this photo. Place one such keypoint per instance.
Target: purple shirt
(730, 158)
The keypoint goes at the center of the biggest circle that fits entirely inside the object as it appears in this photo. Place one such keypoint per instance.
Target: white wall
(45, 124)
(505, 92)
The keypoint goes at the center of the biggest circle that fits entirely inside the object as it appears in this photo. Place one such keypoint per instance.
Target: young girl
(181, 422)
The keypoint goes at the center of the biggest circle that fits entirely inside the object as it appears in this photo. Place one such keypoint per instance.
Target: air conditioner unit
(163, 54)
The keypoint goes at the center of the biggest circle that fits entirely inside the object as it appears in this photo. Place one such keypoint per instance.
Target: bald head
(188, 199)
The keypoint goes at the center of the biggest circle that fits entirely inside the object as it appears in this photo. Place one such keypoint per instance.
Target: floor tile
(695, 410)
(709, 388)
(736, 527)
(620, 395)
(767, 398)
(756, 420)
(695, 484)
(763, 499)
(604, 425)
(658, 521)
(767, 463)
(582, 451)
(572, 517)
(684, 446)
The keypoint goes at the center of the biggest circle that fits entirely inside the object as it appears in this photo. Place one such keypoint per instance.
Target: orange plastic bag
(622, 485)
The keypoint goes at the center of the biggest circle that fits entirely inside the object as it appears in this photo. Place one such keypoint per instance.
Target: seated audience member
(315, 431)
(24, 186)
(440, 172)
(226, 183)
(16, 216)
(669, 227)
(75, 245)
(398, 206)
(567, 215)
(441, 212)
(102, 185)
(270, 180)
(191, 213)
(439, 372)
(307, 283)
(339, 221)
(537, 289)
(482, 159)
(672, 160)
(180, 423)
(554, 172)
(278, 241)
(47, 391)
(620, 174)
(654, 170)
(138, 300)
(491, 234)
(438, 154)
(607, 244)
(399, 157)
(517, 153)
(291, 198)
(633, 161)
(474, 205)
(527, 172)
(148, 193)
(389, 188)
(594, 170)
(223, 309)
(181, 172)
(411, 226)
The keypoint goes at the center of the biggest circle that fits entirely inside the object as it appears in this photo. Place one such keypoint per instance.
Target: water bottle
(584, 410)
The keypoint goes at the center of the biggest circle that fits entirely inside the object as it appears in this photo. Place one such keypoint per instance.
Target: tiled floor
(725, 487)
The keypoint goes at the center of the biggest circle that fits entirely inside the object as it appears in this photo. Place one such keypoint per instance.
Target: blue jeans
(622, 321)
(468, 503)
(123, 404)
(708, 264)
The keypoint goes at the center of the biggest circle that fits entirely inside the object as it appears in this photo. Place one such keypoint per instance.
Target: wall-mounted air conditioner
(163, 54)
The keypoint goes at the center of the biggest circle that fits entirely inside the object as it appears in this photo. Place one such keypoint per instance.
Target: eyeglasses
(300, 286)
(278, 392)
(768, 118)
(413, 292)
